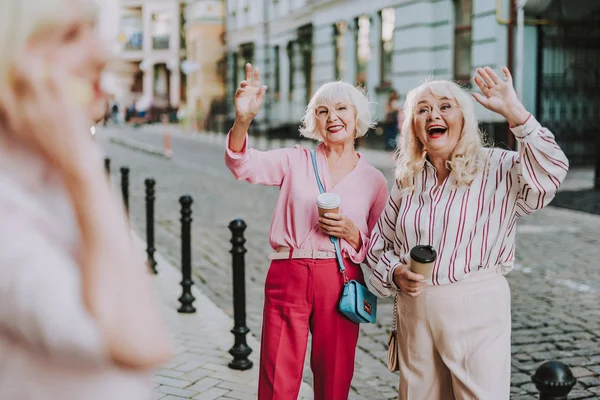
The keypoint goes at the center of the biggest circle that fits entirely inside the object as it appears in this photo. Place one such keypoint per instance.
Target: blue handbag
(357, 303)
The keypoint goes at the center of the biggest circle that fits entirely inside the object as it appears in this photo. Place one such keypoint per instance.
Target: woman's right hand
(409, 282)
(249, 95)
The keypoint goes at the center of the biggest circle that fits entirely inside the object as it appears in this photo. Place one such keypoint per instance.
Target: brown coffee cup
(328, 203)
(422, 259)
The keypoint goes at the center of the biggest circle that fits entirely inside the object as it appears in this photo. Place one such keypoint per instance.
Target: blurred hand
(499, 95)
(249, 95)
(41, 113)
(341, 227)
(409, 282)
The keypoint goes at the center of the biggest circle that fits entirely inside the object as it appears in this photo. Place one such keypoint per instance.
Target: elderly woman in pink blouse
(78, 318)
(451, 193)
(304, 284)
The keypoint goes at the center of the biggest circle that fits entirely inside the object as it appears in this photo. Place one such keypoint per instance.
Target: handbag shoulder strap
(334, 240)
(313, 155)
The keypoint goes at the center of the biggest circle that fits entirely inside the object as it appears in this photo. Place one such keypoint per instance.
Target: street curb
(134, 145)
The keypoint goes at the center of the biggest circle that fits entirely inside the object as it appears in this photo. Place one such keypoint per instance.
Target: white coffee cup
(328, 203)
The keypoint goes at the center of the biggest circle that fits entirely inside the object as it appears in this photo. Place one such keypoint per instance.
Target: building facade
(150, 52)
(397, 44)
(205, 64)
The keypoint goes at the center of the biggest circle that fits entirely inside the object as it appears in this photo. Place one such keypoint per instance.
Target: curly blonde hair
(331, 93)
(466, 160)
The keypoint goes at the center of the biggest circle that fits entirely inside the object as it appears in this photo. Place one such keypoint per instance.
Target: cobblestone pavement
(199, 368)
(555, 286)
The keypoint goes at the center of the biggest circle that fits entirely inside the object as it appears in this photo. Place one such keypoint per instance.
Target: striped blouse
(471, 227)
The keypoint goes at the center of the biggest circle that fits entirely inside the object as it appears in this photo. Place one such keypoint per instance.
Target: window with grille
(339, 42)
(463, 10)
(363, 48)
(388, 24)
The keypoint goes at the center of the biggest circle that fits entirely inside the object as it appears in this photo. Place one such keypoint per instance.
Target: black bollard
(186, 298)
(125, 187)
(554, 380)
(240, 350)
(107, 165)
(150, 185)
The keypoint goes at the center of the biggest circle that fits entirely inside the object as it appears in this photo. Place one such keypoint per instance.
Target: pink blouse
(295, 218)
(50, 347)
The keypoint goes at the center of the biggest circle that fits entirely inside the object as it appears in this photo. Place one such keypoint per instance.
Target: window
(305, 47)
(363, 48)
(388, 23)
(235, 73)
(131, 29)
(339, 40)
(292, 67)
(277, 72)
(462, 41)
(161, 28)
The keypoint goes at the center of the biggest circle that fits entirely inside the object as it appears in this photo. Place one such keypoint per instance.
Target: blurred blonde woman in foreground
(77, 315)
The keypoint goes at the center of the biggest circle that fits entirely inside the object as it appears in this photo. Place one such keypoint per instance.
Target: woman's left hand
(500, 96)
(341, 227)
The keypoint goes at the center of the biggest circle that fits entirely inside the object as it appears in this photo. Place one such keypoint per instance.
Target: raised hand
(499, 95)
(249, 95)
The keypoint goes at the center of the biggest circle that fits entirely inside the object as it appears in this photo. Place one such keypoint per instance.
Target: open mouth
(436, 131)
(335, 128)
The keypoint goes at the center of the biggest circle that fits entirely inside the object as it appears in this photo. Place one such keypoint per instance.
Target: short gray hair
(331, 93)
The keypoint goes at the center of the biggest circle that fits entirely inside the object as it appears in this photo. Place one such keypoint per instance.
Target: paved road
(555, 286)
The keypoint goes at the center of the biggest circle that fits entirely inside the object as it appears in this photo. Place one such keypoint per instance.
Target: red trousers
(301, 295)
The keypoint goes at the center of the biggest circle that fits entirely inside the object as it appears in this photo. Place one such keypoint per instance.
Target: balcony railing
(160, 42)
(134, 42)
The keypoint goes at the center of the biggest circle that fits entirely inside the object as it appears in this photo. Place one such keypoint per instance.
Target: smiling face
(438, 123)
(336, 123)
(72, 45)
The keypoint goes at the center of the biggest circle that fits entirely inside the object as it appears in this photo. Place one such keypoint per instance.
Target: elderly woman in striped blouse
(453, 329)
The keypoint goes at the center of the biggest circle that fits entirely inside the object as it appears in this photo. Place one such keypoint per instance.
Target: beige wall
(204, 46)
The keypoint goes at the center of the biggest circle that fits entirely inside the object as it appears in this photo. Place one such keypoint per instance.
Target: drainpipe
(520, 45)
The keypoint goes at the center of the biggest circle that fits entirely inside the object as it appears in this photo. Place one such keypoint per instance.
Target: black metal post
(186, 298)
(125, 187)
(240, 350)
(107, 165)
(553, 380)
(150, 185)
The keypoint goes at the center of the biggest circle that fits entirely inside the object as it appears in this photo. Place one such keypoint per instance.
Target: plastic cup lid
(423, 254)
(328, 200)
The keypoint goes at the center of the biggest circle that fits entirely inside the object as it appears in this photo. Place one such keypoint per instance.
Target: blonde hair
(20, 20)
(467, 158)
(330, 94)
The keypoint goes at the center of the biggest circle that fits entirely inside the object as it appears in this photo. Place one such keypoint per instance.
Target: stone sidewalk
(202, 340)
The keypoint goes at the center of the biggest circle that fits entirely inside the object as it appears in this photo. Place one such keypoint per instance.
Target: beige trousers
(454, 340)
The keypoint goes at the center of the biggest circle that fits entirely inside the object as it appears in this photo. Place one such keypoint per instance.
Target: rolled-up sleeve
(378, 205)
(382, 256)
(262, 167)
(41, 303)
(540, 167)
